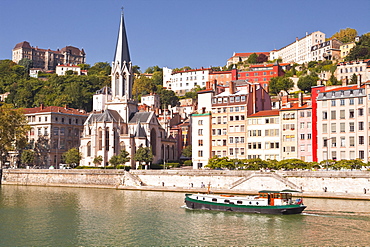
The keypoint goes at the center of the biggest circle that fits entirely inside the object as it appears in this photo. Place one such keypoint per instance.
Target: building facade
(243, 56)
(300, 50)
(116, 123)
(48, 59)
(54, 130)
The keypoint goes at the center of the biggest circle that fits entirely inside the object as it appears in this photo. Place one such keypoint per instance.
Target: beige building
(345, 70)
(54, 130)
(346, 48)
(45, 58)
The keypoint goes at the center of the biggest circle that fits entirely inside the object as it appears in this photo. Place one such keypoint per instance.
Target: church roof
(139, 132)
(107, 116)
(142, 117)
(122, 52)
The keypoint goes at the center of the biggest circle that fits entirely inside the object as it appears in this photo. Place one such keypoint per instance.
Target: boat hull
(285, 209)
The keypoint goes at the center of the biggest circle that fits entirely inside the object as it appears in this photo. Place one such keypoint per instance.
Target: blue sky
(174, 33)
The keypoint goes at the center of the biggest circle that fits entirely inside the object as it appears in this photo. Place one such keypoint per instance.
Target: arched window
(88, 149)
(107, 139)
(153, 141)
(100, 139)
(122, 146)
(116, 83)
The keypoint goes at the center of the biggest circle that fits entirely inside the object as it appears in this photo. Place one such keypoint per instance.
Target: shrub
(188, 163)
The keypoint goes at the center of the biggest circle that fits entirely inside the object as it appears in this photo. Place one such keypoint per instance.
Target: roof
(295, 106)
(190, 70)
(274, 112)
(56, 109)
(106, 116)
(23, 44)
(140, 132)
(142, 117)
(247, 54)
(345, 88)
(268, 65)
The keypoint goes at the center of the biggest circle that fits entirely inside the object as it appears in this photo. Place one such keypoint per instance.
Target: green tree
(72, 156)
(13, 130)
(26, 63)
(345, 35)
(143, 154)
(333, 80)
(361, 50)
(151, 70)
(306, 82)
(252, 59)
(262, 58)
(187, 151)
(353, 79)
(120, 159)
(84, 66)
(98, 160)
(28, 157)
(168, 97)
(278, 84)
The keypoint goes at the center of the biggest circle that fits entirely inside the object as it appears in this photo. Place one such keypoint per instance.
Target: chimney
(208, 85)
(41, 106)
(231, 87)
(345, 81)
(284, 99)
(65, 107)
(300, 99)
(203, 110)
(214, 86)
(358, 80)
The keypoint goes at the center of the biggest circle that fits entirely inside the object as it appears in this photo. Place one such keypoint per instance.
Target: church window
(107, 139)
(89, 149)
(100, 139)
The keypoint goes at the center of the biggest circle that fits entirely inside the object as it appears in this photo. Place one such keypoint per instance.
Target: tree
(13, 130)
(168, 97)
(278, 84)
(28, 157)
(151, 70)
(98, 160)
(120, 159)
(333, 80)
(345, 35)
(306, 82)
(72, 156)
(252, 59)
(143, 154)
(262, 58)
(361, 50)
(187, 151)
(353, 79)
(26, 63)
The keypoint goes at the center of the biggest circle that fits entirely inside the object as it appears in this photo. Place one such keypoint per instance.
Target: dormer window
(231, 99)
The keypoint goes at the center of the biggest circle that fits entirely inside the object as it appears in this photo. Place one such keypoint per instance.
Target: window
(333, 127)
(302, 136)
(360, 125)
(361, 154)
(200, 153)
(361, 140)
(200, 122)
(342, 127)
(351, 101)
(342, 114)
(360, 111)
(200, 142)
(342, 102)
(333, 102)
(309, 136)
(342, 141)
(351, 113)
(351, 141)
(333, 115)
(324, 115)
(351, 127)
(324, 128)
(200, 132)
(360, 101)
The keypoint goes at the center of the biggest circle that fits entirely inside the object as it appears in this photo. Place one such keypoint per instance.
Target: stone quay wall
(230, 181)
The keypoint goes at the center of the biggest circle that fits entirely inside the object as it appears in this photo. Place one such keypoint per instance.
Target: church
(116, 123)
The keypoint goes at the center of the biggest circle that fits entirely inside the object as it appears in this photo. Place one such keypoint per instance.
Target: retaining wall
(308, 181)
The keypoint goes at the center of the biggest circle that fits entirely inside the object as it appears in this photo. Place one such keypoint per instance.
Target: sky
(174, 33)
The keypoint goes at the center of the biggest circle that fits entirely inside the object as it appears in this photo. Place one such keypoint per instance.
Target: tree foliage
(28, 157)
(278, 84)
(345, 35)
(72, 156)
(361, 50)
(252, 59)
(120, 159)
(143, 154)
(13, 130)
(187, 151)
(306, 82)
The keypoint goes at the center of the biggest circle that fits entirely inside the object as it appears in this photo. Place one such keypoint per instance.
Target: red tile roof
(274, 112)
(55, 109)
(354, 86)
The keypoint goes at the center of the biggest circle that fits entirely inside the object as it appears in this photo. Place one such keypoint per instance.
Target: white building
(264, 135)
(342, 123)
(151, 100)
(201, 136)
(300, 50)
(327, 50)
(61, 69)
(345, 70)
(184, 81)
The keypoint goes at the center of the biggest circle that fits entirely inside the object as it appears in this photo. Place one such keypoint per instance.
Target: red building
(261, 73)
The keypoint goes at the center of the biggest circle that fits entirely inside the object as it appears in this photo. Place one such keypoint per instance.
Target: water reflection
(42, 216)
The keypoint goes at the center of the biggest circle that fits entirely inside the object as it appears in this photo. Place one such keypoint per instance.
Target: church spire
(122, 52)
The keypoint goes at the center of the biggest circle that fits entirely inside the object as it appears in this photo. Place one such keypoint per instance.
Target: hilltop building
(243, 56)
(48, 59)
(116, 123)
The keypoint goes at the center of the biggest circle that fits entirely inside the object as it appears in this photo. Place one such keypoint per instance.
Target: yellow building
(346, 48)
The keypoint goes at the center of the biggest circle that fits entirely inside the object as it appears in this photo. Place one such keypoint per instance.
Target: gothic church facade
(116, 124)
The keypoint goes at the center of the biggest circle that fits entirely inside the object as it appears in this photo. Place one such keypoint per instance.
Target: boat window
(204, 198)
(250, 202)
(214, 200)
(239, 202)
(257, 203)
(277, 195)
(227, 201)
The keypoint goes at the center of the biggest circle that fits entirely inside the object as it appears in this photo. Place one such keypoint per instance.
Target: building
(299, 51)
(243, 56)
(116, 124)
(342, 123)
(260, 73)
(361, 68)
(200, 140)
(221, 77)
(54, 130)
(151, 100)
(182, 82)
(346, 48)
(327, 50)
(63, 68)
(264, 135)
(48, 59)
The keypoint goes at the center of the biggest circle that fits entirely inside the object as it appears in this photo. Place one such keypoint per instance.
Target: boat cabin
(275, 198)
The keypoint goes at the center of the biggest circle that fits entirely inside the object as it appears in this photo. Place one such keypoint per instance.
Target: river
(58, 216)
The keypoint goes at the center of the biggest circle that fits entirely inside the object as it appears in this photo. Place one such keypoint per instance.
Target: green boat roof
(281, 191)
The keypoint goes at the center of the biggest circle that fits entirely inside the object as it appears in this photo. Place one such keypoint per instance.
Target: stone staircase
(265, 174)
(132, 180)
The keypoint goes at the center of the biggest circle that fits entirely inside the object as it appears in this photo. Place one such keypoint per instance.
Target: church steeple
(122, 76)
(122, 52)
